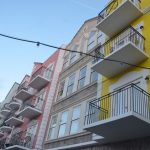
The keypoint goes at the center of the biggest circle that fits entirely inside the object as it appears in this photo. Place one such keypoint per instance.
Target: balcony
(5, 128)
(5, 112)
(14, 105)
(31, 111)
(128, 47)
(118, 15)
(121, 115)
(23, 92)
(14, 121)
(20, 141)
(40, 78)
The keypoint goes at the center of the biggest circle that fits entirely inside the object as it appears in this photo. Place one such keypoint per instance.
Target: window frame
(51, 127)
(48, 71)
(91, 40)
(92, 72)
(74, 120)
(61, 90)
(81, 78)
(99, 35)
(61, 124)
(72, 76)
(73, 54)
(66, 60)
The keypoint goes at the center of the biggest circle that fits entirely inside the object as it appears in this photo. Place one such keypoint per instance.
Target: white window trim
(73, 74)
(75, 119)
(47, 137)
(86, 66)
(59, 124)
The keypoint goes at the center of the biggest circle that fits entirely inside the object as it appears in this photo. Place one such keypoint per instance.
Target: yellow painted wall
(145, 4)
(146, 33)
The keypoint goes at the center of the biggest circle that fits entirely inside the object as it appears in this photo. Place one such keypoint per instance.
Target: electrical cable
(82, 53)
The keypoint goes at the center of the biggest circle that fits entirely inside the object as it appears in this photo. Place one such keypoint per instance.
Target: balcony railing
(31, 108)
(2, 143)
(23, 86)
(112, 6)
(130, 98)
(10, 113)
(42, 71)
(129, 35)
(37, 103)
(22, 138)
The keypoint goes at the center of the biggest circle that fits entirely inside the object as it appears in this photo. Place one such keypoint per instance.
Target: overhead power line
(69, 50)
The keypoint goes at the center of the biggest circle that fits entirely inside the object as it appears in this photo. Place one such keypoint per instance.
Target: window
(39, 101)
(65, 61)
(99, 37)
(52, 128)
(61, 88)
(31, 131)
(63, 122)
(91, 40)
(94, 76)
(75, 120)
(32, 127)
(73, 54)
(82, 76)
(48, 71)
(70, 84)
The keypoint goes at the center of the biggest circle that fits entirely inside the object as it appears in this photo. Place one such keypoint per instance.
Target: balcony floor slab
(29, 112)
(128, 53)
(38, 82)
(119, 18)
(17, 147)
(23, 95)
(13, 121)
(123, 127)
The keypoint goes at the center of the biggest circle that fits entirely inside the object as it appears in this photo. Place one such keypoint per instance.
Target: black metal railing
(112, 6)
(130, 98)
(42, 71)
(128, 35)
(22, 138)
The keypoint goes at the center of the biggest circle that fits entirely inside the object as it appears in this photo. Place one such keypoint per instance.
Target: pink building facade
(26, 116)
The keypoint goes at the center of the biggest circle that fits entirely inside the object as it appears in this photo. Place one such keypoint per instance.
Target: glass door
(31, 131)
(125, 99)
(39, 101)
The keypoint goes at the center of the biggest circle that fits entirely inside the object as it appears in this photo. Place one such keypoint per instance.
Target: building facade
(25, 124)
(4, 111)
(94, 101)
(78, 84)
(113, 112)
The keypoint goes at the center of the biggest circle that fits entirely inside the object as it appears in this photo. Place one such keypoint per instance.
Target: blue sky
(51, 21)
